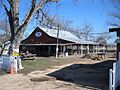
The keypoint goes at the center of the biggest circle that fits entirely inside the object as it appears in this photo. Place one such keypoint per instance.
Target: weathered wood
(44, 39)
(115, 30)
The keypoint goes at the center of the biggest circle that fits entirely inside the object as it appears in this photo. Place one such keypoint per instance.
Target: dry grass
(45, 63)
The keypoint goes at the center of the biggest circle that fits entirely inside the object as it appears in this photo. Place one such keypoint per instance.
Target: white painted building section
(114, 75)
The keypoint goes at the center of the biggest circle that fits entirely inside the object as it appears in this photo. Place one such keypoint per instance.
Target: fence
(7, 61)
(1, 62)
(114, 76)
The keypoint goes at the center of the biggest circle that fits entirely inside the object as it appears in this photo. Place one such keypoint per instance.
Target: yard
(45, 63)
(70, 73)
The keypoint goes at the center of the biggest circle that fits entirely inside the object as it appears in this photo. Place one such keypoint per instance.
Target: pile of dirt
(42, 79)
(87, 56)
(90, 56)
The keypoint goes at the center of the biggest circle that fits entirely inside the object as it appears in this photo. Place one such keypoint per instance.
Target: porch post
(103, 48)
(96, 49)
(64, 50)
(49, 50)
(88, 51)
(56, 50)
(93, 48)
(81, 50)
(78, 49)
(72, 49)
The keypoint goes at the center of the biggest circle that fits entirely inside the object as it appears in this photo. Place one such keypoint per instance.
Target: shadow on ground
(86, 75)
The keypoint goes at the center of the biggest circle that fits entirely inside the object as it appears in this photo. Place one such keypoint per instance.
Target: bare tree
(116, 20)
(116, 14)
(16, 28)
(55, 21)
(103, 38)
(85, 31)
(4, 35)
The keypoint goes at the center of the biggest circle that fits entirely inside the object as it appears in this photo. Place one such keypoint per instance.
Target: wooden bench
(28, 56)
(101, 54)
(93, 56)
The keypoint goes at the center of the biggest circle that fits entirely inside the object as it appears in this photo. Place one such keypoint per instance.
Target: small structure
(114, 73)
(43, 42)
(117, 40)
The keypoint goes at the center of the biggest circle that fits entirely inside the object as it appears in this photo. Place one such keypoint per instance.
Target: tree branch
(10, 2)
(43, 2)
(34, 8)
(40, 5)
(115, 24)
(8, 13)
(29, 14)
(116, 15)
(27, 17)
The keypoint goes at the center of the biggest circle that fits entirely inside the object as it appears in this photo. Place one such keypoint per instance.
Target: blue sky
(91, 11)
(94, 12)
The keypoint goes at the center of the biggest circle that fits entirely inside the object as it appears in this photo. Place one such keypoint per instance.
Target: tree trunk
(17, 30)
(17, 40)
(14, 25)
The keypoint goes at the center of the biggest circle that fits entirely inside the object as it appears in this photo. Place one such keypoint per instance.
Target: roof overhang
(115, 30)
(46, 44)
(61, 44)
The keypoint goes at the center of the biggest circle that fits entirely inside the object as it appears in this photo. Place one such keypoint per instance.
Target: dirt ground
(86, 74)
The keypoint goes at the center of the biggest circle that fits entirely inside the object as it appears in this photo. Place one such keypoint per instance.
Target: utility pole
(57, 41)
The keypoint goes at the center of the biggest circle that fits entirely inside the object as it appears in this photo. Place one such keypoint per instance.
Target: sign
(38, 34)
(15, 52)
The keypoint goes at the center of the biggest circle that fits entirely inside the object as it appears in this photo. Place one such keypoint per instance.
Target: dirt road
(83, 75)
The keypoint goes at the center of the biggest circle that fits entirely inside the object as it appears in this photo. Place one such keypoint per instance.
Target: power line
(89, 33)
(101, 33)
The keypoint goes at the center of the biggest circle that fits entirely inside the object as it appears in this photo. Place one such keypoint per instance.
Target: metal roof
(66, 35)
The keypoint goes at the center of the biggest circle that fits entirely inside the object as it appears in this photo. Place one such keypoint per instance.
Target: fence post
(110, 79)
(15, 65)
(114, 75)
(117, 79)
(1, 62)
(19, 63)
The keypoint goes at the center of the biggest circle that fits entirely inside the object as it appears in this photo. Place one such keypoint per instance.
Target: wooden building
(43, 42)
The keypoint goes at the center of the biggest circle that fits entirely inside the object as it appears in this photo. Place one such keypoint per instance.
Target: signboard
(38, 34)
